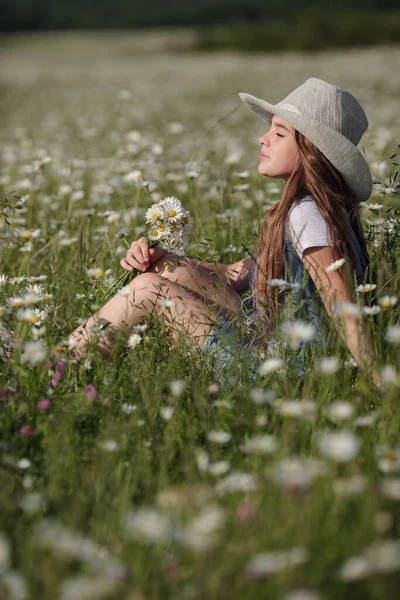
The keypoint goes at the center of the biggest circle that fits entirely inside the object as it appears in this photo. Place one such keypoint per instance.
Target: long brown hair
(313, 175)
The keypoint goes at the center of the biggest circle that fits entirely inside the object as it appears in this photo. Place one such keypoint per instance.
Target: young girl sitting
(311, 246)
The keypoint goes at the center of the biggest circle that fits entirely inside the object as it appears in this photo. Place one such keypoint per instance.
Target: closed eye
(280, 135)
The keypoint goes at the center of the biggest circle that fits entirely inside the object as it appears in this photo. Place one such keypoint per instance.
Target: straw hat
(332, 120)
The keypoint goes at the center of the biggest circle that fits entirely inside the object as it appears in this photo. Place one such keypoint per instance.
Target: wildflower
(24, 463)
(282, 284)
(95, 272)
(88, 587)
(134, 340)
(55, 380)
(302, 594)
(366, 420)
(297, 408)
(245, 513)
(201, 532)
(167, 303)
(368, 287)
(260, 396)
(339, 411)
(154, 213)
(177, 387)
(213, 388)
(371, 310)
(3, 280)
(166, 412)
(147, 525)
(29, 315)
(348, 309)
(328, 365)
(271, 365)
(340, 446)
(390, 376)
(238, 481)
(355, 568)
(15, 302)
(128, 409)
(298, 332)
(260, 444)
(219, 468)
(393, 334)
(91, 392)
(268, 563)
(389, 459)
(388, 301)
(27, 234)
(27, 432)
(390, 488)
(350, 486)
(33, 352)
(219, 437)
(125, 291)
(133, 176)
(44, 404)
(296, 474)
(108, 445)
(335, 266)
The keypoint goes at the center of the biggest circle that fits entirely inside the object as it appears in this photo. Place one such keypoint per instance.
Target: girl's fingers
(140, 251)
(135, 262)
(125, 265)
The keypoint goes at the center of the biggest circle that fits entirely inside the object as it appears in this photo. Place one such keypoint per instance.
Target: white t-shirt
(307, 227)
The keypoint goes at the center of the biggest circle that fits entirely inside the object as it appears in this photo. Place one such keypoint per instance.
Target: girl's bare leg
(189, 314)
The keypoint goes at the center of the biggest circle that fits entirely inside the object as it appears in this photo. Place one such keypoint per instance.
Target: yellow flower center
(17, 303)
(171, 213)
(155, 233)
(155, 216)
(185, 220)
(161, 228)
(26, 234)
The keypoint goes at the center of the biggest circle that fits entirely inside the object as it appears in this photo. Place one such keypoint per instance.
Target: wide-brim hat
(332, 119)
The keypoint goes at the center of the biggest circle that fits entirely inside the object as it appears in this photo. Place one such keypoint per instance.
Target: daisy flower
(95, 272)
(154, 213)
(172, 209)
(134, 340)
(368, 287)
(387, 301)
(335, 265)
(33, 352)
(125, 291)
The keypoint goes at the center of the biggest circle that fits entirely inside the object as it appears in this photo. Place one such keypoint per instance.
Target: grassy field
(142, 477)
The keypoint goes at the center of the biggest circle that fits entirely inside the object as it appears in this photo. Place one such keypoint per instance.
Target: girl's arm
(140, 256)
(335, 288)
(237, 273)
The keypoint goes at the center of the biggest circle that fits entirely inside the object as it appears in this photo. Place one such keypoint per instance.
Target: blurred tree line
(231, 24)
(22, 15)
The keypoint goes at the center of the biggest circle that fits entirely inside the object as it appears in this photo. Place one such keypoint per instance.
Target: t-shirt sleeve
(307, 227)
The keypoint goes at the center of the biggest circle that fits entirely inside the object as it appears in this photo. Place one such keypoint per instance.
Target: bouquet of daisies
(169, 224)
(169, 227)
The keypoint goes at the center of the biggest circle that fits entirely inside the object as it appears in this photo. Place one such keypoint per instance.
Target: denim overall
(303, 302)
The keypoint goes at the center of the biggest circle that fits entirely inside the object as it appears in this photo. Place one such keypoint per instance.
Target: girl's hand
(140, 256)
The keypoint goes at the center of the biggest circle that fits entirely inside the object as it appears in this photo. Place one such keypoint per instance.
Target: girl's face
(279, 152)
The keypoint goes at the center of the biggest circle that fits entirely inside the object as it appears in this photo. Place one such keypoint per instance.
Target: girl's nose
(264, 140)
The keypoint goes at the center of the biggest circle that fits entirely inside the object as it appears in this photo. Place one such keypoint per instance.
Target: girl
(311, 144)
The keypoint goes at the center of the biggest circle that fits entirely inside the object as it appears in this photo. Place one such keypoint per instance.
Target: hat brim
(342, 153)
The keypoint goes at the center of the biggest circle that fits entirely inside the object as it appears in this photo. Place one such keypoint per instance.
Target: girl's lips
(262, 156)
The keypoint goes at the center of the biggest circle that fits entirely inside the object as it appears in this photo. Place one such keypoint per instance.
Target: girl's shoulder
(307, 199)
